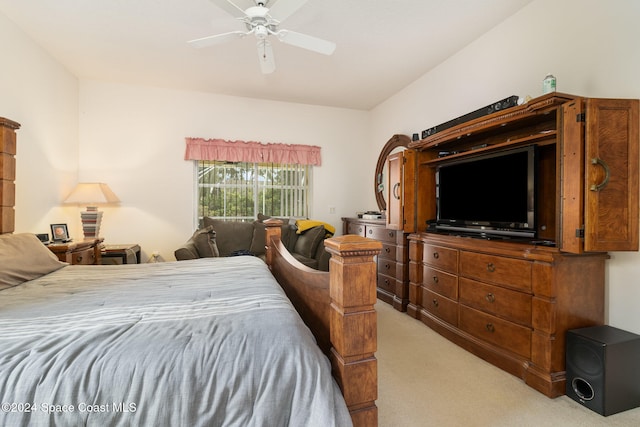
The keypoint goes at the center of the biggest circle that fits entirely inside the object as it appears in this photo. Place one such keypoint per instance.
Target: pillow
(308, 242)
(231, 236)
(204, 240)
(23, 257)
(186, 251)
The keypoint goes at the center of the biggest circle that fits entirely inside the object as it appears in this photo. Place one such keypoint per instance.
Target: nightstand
(85, 252)
(121, 254)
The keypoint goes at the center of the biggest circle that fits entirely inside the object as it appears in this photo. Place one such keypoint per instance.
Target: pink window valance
(252, 152)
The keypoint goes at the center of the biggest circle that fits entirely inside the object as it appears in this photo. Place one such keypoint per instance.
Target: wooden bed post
(273, 232)
(352, 272)
(7, 174)
(338, 307)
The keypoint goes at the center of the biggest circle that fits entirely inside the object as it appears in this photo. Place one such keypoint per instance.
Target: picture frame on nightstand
(59, 233)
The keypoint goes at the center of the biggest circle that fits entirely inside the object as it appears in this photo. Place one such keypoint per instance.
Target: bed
(209, 342)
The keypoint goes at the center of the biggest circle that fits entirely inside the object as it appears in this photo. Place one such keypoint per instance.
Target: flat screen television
(488, 195)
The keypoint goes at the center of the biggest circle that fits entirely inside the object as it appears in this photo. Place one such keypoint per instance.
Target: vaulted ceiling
(382, 45)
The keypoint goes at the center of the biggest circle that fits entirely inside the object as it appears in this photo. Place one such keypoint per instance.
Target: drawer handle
(387, 250)
(435, 279)
(387, 266)
(370, 231)
(489, 327)
(435, 303)
(490, 297)
(386, 281)
(392, 234)
(491, 267)
(436, 255)
(79, 258)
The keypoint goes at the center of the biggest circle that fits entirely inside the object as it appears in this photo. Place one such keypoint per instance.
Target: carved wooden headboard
(7, 174)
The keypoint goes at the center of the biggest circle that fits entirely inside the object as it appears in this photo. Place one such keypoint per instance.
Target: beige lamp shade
(91, 194)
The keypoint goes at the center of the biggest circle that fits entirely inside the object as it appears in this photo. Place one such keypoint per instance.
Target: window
(239, 191)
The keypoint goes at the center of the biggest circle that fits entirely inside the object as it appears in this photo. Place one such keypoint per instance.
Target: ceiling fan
(259, 21)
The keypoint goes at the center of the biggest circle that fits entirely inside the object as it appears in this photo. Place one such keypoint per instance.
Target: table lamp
(91, 194)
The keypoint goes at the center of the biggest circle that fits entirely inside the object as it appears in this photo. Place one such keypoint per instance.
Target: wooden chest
(510, 304)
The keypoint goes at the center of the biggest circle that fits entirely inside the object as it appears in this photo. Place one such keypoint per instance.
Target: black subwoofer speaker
(603, 368)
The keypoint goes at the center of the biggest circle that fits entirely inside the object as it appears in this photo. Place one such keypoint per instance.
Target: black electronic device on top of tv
(503, 104)
(488, 195)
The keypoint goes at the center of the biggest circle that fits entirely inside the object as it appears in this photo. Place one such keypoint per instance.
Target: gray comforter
(208, 342)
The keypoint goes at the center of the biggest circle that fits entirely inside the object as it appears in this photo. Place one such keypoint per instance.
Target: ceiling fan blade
(265, 57)
(282, 9)
(306, 42)
(230, 7)
(217, 39)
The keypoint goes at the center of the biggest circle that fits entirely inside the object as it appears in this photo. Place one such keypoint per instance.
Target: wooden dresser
(393, 261)
(509, 303)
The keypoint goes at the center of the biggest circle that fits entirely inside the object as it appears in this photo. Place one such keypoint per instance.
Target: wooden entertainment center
(511, 301)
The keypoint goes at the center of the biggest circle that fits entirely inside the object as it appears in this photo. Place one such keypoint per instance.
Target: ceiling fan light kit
(261, 24)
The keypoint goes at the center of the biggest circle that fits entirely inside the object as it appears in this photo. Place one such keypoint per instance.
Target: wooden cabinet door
(570, 217)
(409, 188)
(611, 175)
(599, 175)
(401, 193)
(395, 214)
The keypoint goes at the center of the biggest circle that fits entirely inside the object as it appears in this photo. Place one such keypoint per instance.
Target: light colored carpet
(425, 380)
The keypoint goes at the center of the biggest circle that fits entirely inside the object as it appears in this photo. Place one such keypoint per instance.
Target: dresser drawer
(504, 303)
(513, 273)
(443, 258)
(388, 267)
(389, 251)
(440, 306)
(357, 229)
(382, 234)
(387, 283)
(502, 333)
(440, 282)
(86, 257)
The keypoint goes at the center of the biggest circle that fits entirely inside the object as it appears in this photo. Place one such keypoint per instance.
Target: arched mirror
(396, 142)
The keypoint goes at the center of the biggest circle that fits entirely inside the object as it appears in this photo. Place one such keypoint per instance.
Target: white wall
(133, 138)
(591, 46)
(37, 92)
